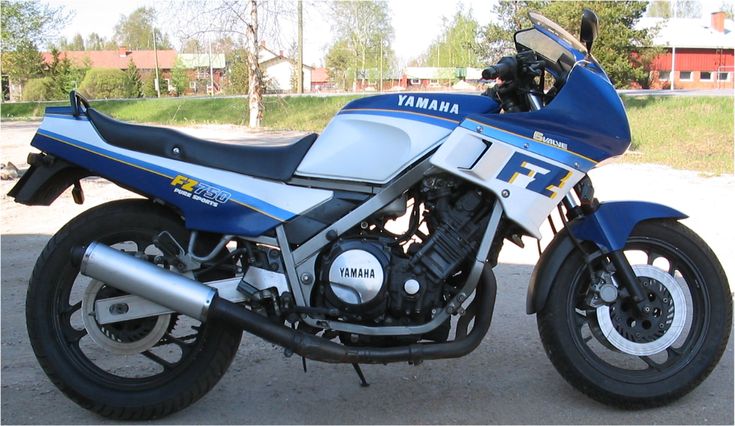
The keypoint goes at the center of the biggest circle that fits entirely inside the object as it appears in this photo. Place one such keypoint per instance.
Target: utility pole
(155, 54)
(673, 52)
(211, 70)
(300, 65)
(381, 66)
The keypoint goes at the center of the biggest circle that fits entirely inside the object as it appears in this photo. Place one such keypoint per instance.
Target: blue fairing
(587, 115)
(612, 223)
(441, 109)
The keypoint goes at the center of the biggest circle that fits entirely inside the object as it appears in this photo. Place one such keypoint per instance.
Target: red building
(197, 65)
(702, 52)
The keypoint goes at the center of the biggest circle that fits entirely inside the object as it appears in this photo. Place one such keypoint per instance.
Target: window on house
(193, 85)
(415, 81)
(169, 87)
(433, 82)
(723, 76)
(664, 75)
(685, 75)
(706, 76)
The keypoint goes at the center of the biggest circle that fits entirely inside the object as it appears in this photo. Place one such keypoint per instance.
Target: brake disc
(646, 336)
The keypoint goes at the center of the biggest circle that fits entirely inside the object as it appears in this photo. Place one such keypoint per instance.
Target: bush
(104, 83)
(38, 89)
(149, 87)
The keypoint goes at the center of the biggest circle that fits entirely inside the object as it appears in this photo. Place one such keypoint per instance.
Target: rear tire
(570, 328)
(171, 373)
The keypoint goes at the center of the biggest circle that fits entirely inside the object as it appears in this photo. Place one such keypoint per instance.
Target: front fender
(611, 224)
(609, 228)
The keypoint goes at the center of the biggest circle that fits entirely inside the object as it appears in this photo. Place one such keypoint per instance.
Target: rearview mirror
(588, 32)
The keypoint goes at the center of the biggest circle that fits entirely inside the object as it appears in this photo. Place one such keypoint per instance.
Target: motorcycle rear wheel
(628, 361)
(132, 370)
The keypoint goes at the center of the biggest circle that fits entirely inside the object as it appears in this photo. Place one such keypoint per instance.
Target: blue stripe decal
(415, 116)
(561, 155)
(256, 218)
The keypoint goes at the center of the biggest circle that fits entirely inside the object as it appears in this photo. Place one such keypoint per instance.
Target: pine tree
(133, 83)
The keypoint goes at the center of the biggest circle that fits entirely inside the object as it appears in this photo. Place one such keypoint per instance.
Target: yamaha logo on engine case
(357, 272)
(356, 276)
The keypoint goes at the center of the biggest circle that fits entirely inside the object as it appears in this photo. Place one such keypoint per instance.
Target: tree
(237, 72)
(622, 50)
(235, 18)
(149, 84)
(364, 33)
(77, 43)
(38, 89)
(666, 9)
(95, 42)
(103, 83)
(133, 83)
(497, 37)
(457, 46)
(179, 78)
(338, 62)
(24, 26)
(63, 75)
(192, 45)
(136, 31)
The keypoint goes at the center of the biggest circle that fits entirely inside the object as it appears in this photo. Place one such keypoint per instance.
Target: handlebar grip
(505, 69)
(489, 73)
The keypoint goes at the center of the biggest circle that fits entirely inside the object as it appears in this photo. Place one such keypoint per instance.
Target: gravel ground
(508, 379)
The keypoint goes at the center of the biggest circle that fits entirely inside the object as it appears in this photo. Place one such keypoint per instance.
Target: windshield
(558, 47)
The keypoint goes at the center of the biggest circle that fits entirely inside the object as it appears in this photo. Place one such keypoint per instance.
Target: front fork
(623, 271)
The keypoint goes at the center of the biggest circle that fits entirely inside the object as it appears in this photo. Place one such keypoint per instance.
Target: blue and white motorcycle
(136, 308)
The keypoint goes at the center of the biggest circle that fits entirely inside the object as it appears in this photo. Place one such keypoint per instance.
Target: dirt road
(508, 379)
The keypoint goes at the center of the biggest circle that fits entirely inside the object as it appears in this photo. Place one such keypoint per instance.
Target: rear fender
(47, 178)
(609, 228)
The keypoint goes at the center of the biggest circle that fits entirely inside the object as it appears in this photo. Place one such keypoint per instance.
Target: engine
(374, 277)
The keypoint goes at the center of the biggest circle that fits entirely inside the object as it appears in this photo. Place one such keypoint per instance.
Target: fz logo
(198, 191)
(533, 174)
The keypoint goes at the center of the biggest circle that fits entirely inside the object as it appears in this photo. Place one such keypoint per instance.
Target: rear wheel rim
(160, 362)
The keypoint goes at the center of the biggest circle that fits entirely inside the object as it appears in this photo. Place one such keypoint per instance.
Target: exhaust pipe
(144, 279)
(199, 301)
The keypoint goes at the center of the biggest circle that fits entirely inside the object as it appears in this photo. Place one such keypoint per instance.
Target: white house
(279, 72)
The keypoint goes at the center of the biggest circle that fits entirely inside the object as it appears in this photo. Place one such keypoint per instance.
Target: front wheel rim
(610, 361)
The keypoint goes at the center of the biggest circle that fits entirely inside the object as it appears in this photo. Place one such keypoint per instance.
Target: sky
(416, 23)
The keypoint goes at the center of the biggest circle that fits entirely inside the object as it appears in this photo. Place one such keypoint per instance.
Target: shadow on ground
(508, 379)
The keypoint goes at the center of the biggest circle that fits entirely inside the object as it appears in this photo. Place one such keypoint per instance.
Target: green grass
(694, 133)
(283, 113)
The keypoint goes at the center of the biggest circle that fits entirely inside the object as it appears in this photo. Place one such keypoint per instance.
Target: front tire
(619, 359)
(132, 370)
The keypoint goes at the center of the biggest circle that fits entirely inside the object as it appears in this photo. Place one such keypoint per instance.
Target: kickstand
(303, 363)
(358, 370)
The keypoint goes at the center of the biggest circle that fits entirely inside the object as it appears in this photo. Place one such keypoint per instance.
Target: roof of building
(143, 59)
(267, 58)
(201, 60)
(690, 32)
(320, 75)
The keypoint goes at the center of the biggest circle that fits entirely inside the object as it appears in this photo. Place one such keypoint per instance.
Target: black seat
(277, 161)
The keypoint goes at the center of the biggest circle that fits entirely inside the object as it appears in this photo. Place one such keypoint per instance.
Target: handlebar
(505, 69)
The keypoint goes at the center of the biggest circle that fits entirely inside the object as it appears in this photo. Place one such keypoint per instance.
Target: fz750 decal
(534, 174)
(198, 191)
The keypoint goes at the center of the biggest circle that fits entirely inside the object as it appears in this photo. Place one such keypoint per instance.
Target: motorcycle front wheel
(138, 369)
(621, 357)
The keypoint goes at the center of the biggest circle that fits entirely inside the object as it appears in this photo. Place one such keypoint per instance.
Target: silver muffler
(144, 279)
